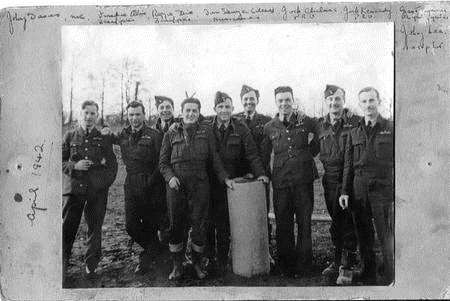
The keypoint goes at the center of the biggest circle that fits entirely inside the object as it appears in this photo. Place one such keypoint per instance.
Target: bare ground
(120, 257)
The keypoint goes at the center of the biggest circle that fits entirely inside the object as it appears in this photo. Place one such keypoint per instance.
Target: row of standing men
(178, 171)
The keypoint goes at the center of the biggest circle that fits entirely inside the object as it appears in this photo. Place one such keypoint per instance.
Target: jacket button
(85, 149)
(289, 138)
(81, 185)
(86, 158)
(86, 141)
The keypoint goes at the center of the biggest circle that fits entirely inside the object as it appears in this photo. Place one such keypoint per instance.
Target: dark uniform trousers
(292, 180)
(185, 154)
(236, 147)
(86, 191)
(368, 171)
(163, 220)
(140, 153)
(332, 139)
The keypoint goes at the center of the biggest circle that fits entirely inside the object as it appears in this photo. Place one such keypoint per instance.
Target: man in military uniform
(89, 168)
(235, 144)
(333, 130)
(287, 134)
(186, 151)
(140, 145)
(368, 173)
(164, 121)
(255, 122)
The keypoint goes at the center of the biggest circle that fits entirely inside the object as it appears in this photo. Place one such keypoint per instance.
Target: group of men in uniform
(178, 171)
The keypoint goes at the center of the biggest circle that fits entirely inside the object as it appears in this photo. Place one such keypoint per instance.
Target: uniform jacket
(237, 148)
(95, 147)
(332, 142)
(369, 160)
(140, 152)
(187, 156)
(256, 125)
(293, 155)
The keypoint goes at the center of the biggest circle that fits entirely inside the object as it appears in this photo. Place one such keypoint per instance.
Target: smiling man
(368, 174)
(187, 150)
(235, 145)
(89, 168)
(287, 135)
(333, 130)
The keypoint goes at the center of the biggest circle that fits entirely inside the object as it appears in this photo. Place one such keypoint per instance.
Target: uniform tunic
(86, 190)
(332, 139)
(185, 154)
(292, 180)
(235, 147)
(140, 154)
(368, 174)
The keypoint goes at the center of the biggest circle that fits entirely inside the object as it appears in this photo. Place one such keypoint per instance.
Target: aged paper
(30, 143)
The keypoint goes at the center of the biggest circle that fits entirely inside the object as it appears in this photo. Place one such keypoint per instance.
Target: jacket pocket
(384, 147)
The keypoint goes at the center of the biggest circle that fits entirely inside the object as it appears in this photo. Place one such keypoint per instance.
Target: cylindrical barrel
(248, 227)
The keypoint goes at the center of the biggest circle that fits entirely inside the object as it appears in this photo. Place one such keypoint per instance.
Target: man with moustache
(89, 168)
(333, 130)
(187, 150)
(140, 145)
(235, 144)
(287, 135)
(368, 173)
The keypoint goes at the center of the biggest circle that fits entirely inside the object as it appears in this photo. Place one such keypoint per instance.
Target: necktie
(166, 127)
(248, 120)
(222, 131)
(286, 121)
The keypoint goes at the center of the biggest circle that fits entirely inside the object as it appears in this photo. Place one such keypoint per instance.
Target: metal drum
(248, 228)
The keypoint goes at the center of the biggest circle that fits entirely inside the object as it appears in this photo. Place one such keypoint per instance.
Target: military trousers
(93, 204)
(342, 230)
(288, 201)
(218, 236)
(383, 218)
(188, 207)
(141, 212)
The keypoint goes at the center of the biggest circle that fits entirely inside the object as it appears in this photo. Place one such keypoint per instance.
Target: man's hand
(174, 183)
(83, 165)
(263, 179)
(249, 176)
(229, 183)
(343, 201)
(106, 131)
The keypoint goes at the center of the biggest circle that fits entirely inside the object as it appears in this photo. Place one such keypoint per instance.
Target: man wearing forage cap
(235, 144)
(164, 106)
(333, 130)
(255, 122)
(188, 148)
(287, 135)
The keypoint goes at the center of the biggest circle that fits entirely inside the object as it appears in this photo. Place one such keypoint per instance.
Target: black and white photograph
(228, 155)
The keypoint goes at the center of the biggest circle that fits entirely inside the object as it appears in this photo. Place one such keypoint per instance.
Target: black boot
(197, 263)
(177, 271)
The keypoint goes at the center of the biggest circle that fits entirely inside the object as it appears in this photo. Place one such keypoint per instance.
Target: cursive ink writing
(24, 19)
(39, 150)
(32, 215)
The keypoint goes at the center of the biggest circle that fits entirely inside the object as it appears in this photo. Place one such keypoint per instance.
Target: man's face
(224, 110)
(335, 102)
(284, 102)
(165, 110)
(190, 113)
(249, 101)
(136, 117)
(369, 102)
(89, 116)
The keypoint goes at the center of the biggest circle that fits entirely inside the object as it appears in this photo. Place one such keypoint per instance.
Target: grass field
(120, 257)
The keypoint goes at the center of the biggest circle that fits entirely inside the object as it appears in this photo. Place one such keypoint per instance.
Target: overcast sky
(207, 58)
